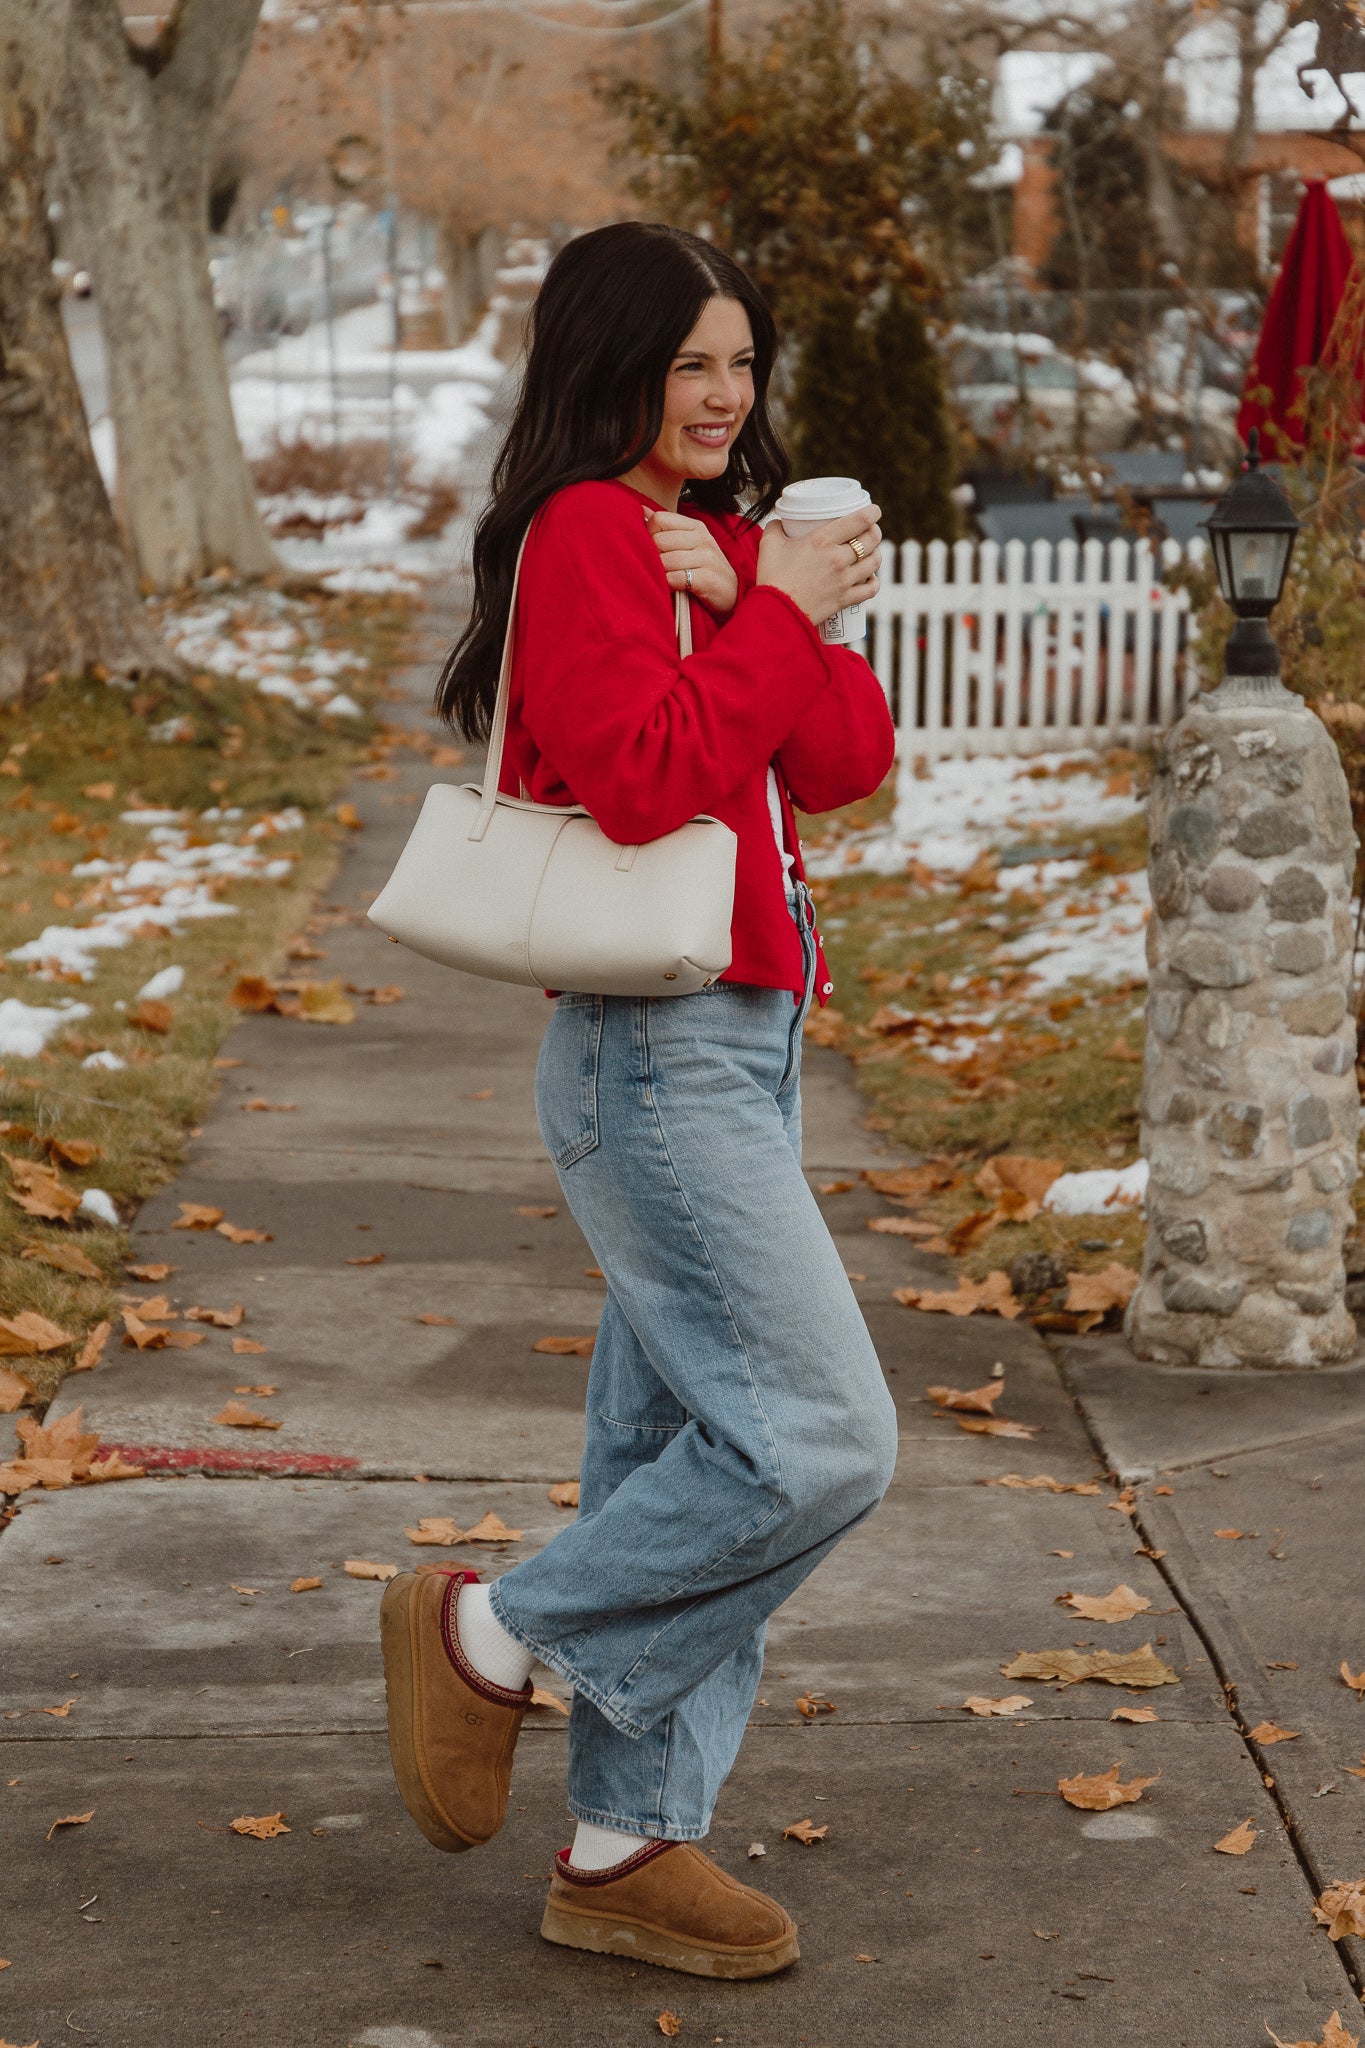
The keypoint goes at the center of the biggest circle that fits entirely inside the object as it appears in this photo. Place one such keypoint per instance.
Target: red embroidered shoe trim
(500, 1695)
(635, 1861)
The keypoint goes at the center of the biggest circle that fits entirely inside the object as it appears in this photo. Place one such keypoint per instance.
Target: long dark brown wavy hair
(614, 311)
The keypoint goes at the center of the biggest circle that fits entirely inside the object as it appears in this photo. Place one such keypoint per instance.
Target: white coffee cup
(814, 502)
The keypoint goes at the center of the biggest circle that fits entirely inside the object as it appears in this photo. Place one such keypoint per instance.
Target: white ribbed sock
(494, 1654)
(598, 1848)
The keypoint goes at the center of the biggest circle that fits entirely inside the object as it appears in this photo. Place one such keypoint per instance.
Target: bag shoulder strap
(497, 736)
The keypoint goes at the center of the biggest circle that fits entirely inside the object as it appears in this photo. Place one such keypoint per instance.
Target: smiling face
(707, 398)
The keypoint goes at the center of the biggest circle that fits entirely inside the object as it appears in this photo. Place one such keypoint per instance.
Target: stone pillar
(1250, 1110)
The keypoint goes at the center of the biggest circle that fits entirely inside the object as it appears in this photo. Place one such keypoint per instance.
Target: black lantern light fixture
(1252, 528)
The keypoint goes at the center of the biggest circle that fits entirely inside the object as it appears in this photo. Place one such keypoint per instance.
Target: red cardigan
(606, 714)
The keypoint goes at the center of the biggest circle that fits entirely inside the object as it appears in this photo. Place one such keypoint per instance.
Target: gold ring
(858, 550)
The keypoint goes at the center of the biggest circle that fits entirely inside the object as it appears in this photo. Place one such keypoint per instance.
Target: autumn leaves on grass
(1014, 1186)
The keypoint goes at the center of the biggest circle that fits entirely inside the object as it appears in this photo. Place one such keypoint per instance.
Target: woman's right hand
(818, 570)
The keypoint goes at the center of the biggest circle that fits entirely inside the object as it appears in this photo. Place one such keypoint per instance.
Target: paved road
(956, 1897)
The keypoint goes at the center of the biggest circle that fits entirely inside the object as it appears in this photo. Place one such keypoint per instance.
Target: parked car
(994, 380)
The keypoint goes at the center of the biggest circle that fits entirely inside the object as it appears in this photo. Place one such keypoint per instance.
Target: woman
(738, 1423)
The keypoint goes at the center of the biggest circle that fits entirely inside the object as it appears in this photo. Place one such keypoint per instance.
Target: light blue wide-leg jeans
(738, 1422)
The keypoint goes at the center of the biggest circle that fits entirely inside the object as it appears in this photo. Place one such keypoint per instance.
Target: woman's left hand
(686, 544)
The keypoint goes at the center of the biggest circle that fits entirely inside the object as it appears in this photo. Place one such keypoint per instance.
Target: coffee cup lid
(822, 497)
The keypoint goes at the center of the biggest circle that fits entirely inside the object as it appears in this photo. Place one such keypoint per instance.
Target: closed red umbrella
(1298, 320)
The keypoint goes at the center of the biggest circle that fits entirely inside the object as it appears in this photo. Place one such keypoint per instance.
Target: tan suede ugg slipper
(669, 1904)
(451, 1732)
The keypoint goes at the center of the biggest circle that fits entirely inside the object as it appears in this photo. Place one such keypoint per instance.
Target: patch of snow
(97, 1204)
(341, 706)
(25, 1028)
(1106, 943)
(1100, 1191)
(168, 983)
(106, 1061)
(370, 582)
(68, 949)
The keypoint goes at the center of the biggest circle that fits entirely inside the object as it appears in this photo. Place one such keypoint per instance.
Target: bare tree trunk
(68, 600)
(136, 128)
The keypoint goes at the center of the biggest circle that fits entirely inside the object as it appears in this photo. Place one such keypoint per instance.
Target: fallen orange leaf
(1341, 1909)
(62, 1439)
(1356, 1680)
(246, 1347)
(113, 1467)
(262, 1391)
(238, 1233)
(1231, 1535)
(564, 1495)
(41, 1190)
(904, 1182)
(491, 1529)
(305, 1585)
(151, 1015)
(810, 1706)
(221, 1318)
(1266, 1733)
(1098, 1794)
(1026, 1179)
(368, 1259)
(61, 1713)
(994, 1425)
(437, 1322)
(1334, 2035)
(806, 1832)
(70, 1820)
(14, 1391)
(1097, 1293)
(361, 1568)
(261, 1827)
(1012, 1703)
(993, 1295)
(975, 1401)
(1120, 1605)
(902, 1226)
(543, 1211)
(1135, 1714)
(159, 1271)
(68, 1258)
(73, 1152)
(92, 1350)
(435, 1529)
(669, 2023)
(565, 1347)
(29, 1331)
(1238, 1842)
(197, 1216)
(237, 1416)
(252, 992)
(348, 815)
(1137, 1668)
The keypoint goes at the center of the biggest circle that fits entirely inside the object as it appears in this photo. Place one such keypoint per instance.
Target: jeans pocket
(566, 1079)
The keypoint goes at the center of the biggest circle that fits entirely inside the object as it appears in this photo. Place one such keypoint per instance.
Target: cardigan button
(827, 988)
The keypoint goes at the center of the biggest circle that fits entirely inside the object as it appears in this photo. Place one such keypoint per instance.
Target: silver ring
(688, 574)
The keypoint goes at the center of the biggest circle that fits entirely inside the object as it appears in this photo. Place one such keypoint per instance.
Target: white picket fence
(1079, 646)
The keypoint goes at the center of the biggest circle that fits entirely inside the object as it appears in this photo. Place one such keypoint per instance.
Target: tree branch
(205, 45)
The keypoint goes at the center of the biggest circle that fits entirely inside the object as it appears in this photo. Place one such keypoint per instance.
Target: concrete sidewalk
(956, 1897)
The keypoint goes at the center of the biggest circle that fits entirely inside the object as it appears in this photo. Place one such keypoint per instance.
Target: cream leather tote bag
(538, 895)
